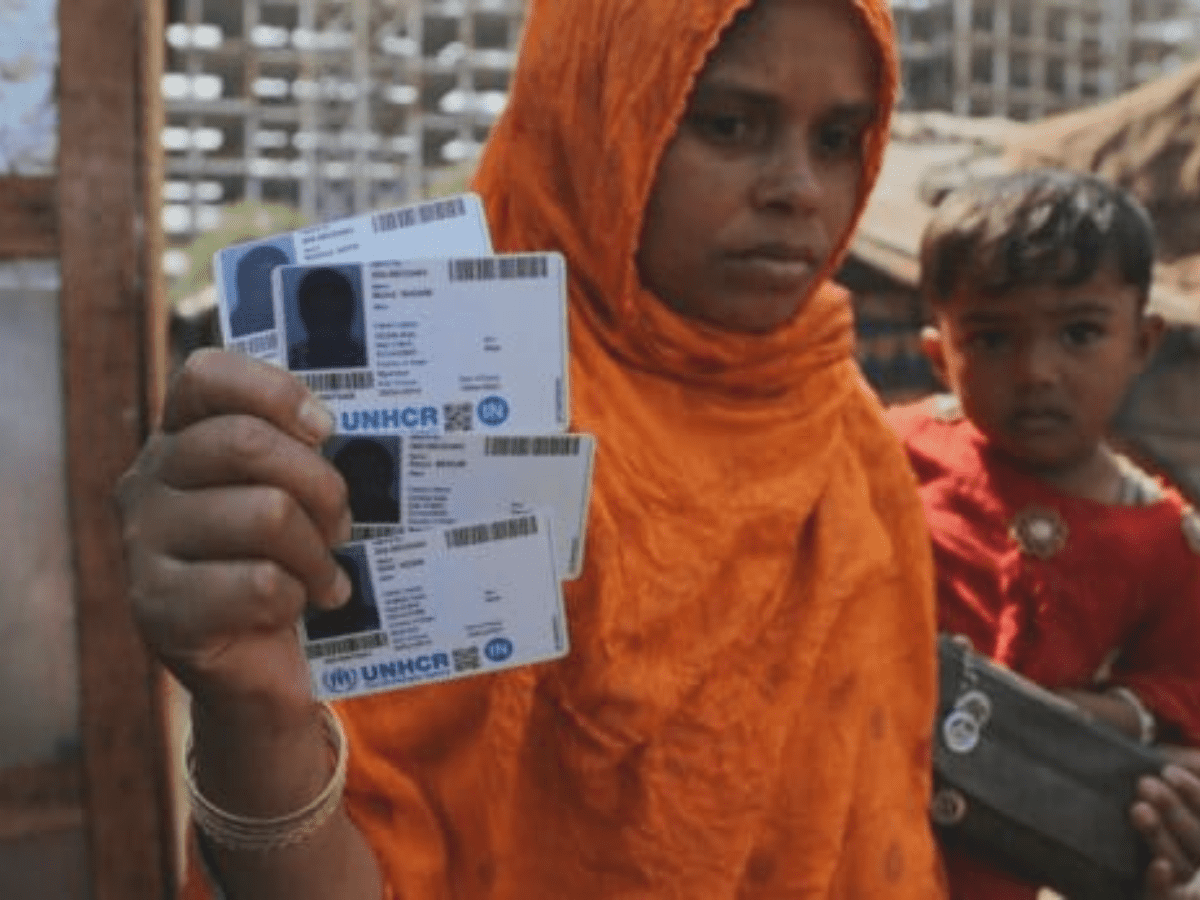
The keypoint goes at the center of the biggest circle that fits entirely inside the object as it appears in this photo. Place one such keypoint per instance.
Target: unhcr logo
(390, 419)
(401, 671)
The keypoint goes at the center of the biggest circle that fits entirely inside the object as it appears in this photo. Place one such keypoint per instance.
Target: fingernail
(344, 530)
(1174, 776)
(341, 588)
(316, 420)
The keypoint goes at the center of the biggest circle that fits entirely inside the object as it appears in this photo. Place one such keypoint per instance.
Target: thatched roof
(1146, 140)
(932, 152)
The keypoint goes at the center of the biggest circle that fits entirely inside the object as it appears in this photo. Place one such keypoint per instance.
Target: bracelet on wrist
(1147, 726)
(252, 834)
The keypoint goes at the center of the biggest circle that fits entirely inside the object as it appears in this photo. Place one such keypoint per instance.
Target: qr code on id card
(459, 416)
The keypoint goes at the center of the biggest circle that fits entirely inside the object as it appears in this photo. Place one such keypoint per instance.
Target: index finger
(217, 382)
(1186, 811)
(1185, 757)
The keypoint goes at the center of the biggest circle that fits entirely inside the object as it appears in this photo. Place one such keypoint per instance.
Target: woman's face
(762, 179)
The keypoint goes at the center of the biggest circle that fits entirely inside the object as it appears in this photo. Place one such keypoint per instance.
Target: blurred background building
(1024, 59)
(284, 112)
(327, 106)
(337, 106)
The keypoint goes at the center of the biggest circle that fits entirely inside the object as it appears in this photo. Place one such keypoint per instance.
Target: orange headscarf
(746, 706)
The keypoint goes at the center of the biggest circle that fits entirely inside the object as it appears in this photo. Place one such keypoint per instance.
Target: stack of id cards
(445, 367)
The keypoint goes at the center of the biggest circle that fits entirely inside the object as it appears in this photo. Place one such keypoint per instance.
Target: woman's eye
(728, 129)
(839, 140)
(1080, 334)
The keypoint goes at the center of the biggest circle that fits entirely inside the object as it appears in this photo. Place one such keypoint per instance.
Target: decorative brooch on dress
(1039, 531)
(947, 408)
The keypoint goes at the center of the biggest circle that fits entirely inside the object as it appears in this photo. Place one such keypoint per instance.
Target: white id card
(467, 600)
(242, 273)
(431, 347)
(399, 485)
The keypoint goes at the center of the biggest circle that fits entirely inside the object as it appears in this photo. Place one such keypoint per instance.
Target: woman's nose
(788, 180)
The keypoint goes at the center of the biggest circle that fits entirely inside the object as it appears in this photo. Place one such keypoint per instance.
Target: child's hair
(1033, 228)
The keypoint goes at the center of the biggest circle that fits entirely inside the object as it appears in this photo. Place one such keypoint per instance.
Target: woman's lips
(773, 268)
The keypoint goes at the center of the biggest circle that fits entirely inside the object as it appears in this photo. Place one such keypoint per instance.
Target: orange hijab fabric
(746, 706)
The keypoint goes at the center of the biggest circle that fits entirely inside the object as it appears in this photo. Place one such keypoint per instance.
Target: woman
(745, 711)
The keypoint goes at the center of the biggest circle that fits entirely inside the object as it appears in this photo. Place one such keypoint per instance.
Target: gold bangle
(259, 835)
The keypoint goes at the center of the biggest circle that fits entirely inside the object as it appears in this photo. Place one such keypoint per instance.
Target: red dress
(1103, 595)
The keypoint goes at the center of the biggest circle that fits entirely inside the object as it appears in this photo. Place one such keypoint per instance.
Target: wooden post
(112, 334)
(28, 218)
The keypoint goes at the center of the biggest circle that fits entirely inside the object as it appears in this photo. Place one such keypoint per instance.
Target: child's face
(1041, 370)
(762, 178)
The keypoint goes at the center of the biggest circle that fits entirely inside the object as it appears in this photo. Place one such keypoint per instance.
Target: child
(1054, 554)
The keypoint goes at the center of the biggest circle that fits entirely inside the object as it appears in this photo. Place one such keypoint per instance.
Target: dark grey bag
(1029, 782)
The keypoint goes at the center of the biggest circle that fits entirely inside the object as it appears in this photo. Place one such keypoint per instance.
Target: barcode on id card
(505, 529)
(419, 215)
(258, 343)
(371, 532)
(338, 381)
(504, 267)
(342, 646)
(553, 445)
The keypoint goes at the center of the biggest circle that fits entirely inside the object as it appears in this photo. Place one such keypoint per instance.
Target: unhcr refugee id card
(400, 485)
(242, 273)
(467, 600)
(436, 346)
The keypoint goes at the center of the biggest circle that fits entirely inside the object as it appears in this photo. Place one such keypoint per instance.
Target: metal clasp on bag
(948, 807)
(963, 725)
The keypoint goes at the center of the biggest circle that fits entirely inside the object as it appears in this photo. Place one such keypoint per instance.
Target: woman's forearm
(256, 765)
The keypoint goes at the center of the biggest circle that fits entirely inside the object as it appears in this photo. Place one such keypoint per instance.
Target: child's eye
(988, 340)
(1080, 334)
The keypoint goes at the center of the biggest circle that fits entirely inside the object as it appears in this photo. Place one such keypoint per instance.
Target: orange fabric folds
(745, 709)
(746, 706)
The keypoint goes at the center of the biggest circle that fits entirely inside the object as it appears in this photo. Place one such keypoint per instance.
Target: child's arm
(1159, 663)
(1111, 709)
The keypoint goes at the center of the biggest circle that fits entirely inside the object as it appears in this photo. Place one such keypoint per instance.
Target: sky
(28, 53)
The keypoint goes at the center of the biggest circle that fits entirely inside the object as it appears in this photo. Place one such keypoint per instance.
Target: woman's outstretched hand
(229, 515)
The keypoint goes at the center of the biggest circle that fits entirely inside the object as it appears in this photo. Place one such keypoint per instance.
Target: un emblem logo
(493, 410)
(498, 649)
(340, 681)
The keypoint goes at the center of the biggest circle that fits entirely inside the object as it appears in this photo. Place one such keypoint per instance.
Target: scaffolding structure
(1025, 59)
(338, 106)
(329, 106)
